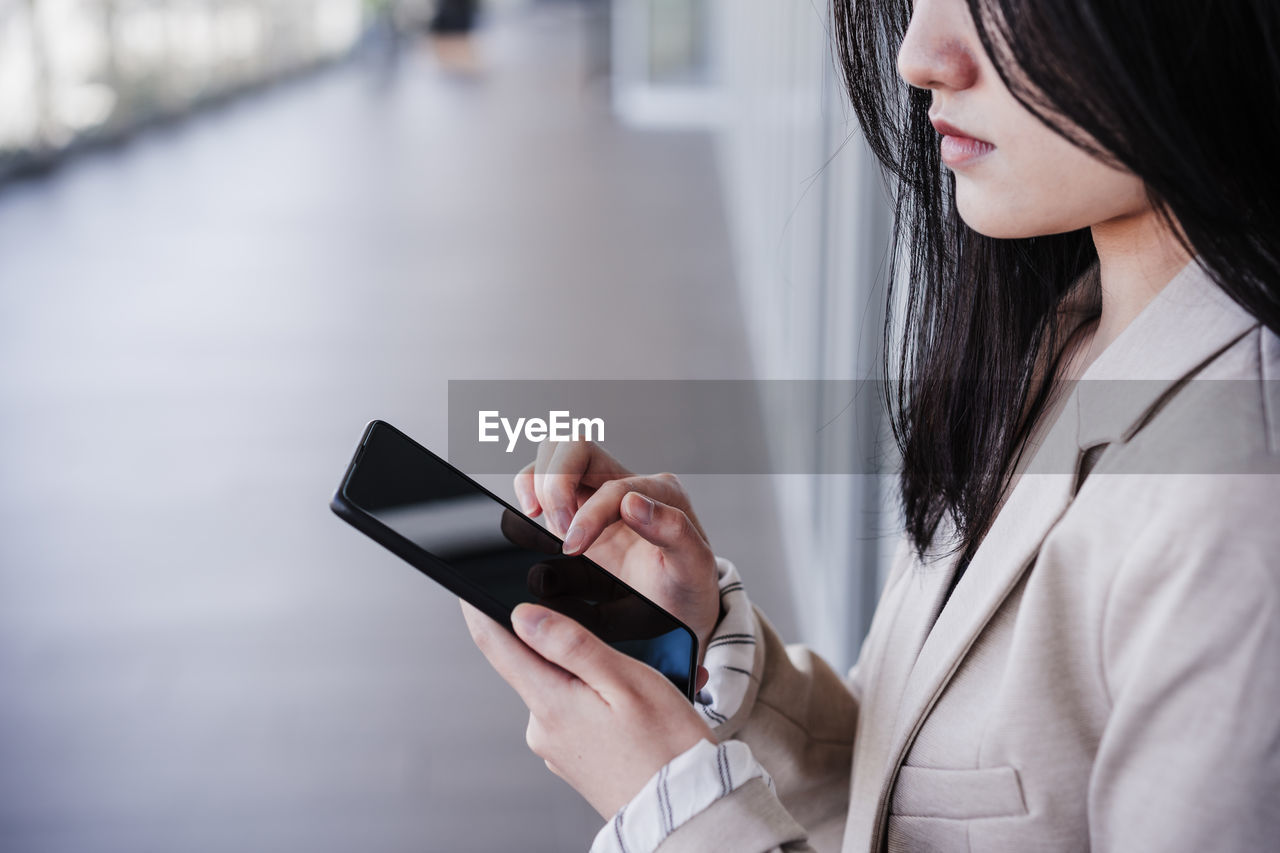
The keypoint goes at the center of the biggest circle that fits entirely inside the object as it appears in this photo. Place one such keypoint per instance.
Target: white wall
(810, 223)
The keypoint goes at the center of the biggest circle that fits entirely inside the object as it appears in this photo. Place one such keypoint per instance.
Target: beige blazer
(1105, 675)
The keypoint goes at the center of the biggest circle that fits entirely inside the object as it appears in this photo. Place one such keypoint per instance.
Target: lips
(958, 147)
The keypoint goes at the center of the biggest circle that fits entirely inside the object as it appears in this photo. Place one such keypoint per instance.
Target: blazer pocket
(957, 794)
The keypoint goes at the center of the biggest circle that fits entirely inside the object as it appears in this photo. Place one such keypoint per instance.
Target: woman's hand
(641, 528)
(603, 722)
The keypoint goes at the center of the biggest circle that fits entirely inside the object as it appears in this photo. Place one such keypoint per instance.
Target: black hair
(1182, 93)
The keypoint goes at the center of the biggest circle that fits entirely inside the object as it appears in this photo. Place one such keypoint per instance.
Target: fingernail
(573, 540)
(564, 518)
(526, 618)
(643, 513)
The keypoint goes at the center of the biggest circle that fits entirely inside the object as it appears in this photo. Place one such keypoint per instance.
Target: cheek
(1044, 187)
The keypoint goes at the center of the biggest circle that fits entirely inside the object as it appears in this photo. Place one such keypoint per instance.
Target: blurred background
(233, 231)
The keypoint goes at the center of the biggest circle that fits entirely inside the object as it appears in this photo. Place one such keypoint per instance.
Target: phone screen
(479, 544)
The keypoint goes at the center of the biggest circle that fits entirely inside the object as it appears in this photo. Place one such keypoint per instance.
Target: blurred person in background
(454, 17)
(450, 30)
(1067, 654)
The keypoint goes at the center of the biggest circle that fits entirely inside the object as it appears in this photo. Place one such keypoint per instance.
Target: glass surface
(506, 556)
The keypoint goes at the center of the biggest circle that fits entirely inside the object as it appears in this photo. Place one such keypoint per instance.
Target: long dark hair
(1182, 93)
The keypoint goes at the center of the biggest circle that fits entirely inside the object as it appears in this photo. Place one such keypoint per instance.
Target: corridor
(194, 328)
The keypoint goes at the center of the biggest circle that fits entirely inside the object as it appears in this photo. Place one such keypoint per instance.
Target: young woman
(1079, 644)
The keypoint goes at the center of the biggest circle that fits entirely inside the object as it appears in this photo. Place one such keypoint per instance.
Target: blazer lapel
(1034, 505)
(1189, 322)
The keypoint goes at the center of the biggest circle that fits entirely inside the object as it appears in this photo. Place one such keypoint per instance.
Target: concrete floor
(195, 654)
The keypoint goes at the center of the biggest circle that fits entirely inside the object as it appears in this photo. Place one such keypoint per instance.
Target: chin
(999, 227)
(1001, 220)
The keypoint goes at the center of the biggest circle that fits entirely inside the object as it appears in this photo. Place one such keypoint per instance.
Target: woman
(1080, 644)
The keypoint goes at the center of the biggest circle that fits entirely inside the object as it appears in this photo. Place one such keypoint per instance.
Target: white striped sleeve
(731, 650)
(695, 779)
(689, 783)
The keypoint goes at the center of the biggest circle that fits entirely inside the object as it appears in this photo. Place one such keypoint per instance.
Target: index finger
(605, 507)
(571, 467)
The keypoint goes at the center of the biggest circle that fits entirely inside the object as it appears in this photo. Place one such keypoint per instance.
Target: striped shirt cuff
(731, 651)
(691, 782)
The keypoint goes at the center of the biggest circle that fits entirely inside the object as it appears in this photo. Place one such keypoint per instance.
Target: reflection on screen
(506, 556)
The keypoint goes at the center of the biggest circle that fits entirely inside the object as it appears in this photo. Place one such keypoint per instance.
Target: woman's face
(1014, 176)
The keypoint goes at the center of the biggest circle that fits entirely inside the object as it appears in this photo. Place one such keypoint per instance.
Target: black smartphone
(488, 553)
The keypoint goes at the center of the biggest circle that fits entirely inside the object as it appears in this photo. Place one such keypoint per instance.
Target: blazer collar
(1186, 324)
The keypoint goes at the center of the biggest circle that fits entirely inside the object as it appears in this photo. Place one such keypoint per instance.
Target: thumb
(670, 529)
(569, 645)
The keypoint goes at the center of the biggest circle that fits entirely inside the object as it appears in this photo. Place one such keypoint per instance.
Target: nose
(938, 50)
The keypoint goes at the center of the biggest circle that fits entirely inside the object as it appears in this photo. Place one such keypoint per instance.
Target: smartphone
(482, 549)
